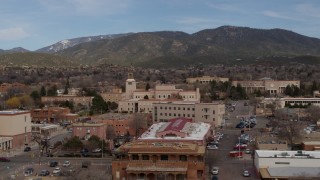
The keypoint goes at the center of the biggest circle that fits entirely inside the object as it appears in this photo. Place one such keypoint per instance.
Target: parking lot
(233, 167)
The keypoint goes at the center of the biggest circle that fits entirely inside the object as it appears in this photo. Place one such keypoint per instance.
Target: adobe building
(15, 128)
(77, 100)
(115, 95)
(206, 79)
(53, 115)
(199, 112)
(265, 85)
(159, 160)
(311, 145)
(4, 87)
(139, 100)
(271, 143)
(86, 130)
(167, 150)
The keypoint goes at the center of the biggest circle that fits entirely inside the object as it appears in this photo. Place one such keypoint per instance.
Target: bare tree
(313, 113)
(139, 123)
(289, 131)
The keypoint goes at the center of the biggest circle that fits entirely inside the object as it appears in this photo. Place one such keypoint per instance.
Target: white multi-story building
(15, 128)
(141, 100)
(199, 112)
(287, 164)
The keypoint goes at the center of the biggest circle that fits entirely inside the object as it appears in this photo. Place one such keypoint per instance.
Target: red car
(4, 159)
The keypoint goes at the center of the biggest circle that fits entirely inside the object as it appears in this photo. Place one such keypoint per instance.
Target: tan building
(77, 100)
(265, 85)
(115, 95)
(311, 145)
(142, 100)
(45, 130)
(206, 79)
(15, 124)
(4, 87)
(86, 130)
(53, 115)
(167, 150)
(199, 112)
(270, 143)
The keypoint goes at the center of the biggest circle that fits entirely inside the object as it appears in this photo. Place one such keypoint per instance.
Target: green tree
(99, 106)
(43, 91)
(52, 91)
(66, 87)
(147, 86)
(36, 97)
(73, 143)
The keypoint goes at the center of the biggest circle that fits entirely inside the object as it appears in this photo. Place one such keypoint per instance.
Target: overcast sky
(33, 24)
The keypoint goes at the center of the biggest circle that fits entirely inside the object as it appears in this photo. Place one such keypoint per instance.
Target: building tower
(131, 86)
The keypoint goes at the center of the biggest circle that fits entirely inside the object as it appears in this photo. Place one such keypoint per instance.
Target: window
(145, 157)
(183, 158)
(135, 157)
(282, 162)
(25, 118)
(164, 157)
(213, 112)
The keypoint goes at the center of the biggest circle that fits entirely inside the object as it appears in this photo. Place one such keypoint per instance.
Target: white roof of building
(287, 154)
(14, 111)
(195, 131)
(45, 126)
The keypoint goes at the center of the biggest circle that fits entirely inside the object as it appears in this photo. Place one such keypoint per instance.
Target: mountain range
(225, 44)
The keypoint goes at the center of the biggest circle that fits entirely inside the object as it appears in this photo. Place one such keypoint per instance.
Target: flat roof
(195, 131)
(87, 124)
(11, 112)
(287, 154)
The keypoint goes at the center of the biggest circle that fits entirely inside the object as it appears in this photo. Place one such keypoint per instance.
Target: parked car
(71, 169)
(247, 151)
(56, 170)
(4, 159)
(97, 150)
(66, 163)
(26, 149)
(212, 147)
(84, 150)
(86, 164)
(215, 170)
(28, 171)
(246, 173)
(44, 173)
(53, 163)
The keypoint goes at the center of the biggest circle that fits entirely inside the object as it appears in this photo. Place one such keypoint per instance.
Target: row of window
(162, 157)
(177, 108)
(176, 115)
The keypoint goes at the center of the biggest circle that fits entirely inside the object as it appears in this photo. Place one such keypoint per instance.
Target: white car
(96, 150)
(56, 170)
(66, 163)
(215, 171)
(246, 173)
(212, 147)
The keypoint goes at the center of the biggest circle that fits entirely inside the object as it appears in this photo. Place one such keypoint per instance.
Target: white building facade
(287, 164)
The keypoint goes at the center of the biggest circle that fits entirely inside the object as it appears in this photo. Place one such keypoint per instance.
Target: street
(232, 167)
